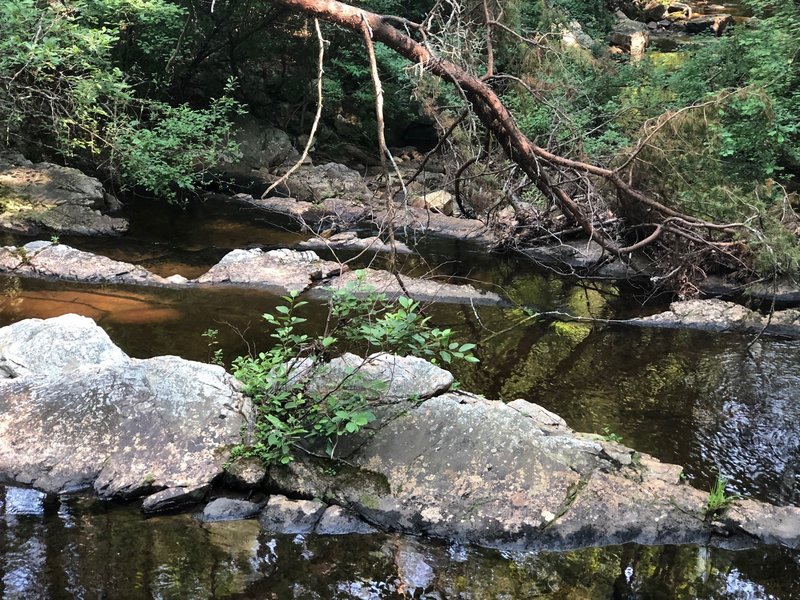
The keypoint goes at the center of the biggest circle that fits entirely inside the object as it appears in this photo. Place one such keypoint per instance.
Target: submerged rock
(47, 197)
(77, 412)
(424, 290)
(719, 315)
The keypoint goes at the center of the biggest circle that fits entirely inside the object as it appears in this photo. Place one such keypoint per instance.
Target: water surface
(715, 403)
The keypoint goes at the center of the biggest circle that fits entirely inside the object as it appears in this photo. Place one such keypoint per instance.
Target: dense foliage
(84, 79)
(300, 400)
(146, 90)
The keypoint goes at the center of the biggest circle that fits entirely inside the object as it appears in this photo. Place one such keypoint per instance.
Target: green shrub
(171, 151)
(289, 411)
(74, 77)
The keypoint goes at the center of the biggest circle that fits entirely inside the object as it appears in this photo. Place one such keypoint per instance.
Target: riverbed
(717, 404)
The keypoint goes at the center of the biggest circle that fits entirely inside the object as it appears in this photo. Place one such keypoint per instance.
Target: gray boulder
(280, 269)
(76, 412)
(464, 468)
(401, 378)
(46, 259)
(47, 197)
(719, 315)
(630, 36)
(261, 148)
(229, 509)
(315, 183)
(282, 515)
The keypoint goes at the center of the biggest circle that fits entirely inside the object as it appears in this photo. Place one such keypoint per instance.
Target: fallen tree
(570, 184)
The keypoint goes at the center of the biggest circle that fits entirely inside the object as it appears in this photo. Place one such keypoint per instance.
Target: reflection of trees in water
(701, 400)
(82, 549)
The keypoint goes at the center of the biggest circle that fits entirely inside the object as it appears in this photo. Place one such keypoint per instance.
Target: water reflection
(705, 401)
(77, 548)
(711, 402)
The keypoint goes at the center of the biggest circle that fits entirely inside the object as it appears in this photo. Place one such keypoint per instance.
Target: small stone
(340, 521)
(229, 509)
(172, 498)
(282, 515)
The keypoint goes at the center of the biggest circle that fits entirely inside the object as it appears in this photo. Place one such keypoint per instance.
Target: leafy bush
(289, 410)
(70, 74)
(174, 149)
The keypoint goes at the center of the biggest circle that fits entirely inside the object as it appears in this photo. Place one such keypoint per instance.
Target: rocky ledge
(719, 315)
(36, 197)
(75, 411)
(461, 467)
(280, 270)
(348, 213)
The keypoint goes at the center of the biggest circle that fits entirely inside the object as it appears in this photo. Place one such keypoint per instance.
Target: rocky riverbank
(43, 197)
(77, 412)
(280, 271)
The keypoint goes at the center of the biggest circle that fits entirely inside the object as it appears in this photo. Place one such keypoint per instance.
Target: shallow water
(77, 548)
(706, 401)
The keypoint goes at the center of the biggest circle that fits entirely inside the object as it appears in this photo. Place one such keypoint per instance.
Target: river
(718, 404)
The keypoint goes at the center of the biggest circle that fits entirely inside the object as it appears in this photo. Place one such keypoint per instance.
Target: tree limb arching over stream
(554, 176)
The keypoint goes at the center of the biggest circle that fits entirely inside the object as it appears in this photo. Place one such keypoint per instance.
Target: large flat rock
(76, 412)
(464, 468)
(719, 315)
(281, 269)
(47, 197)
(59, 261)
(424, 290)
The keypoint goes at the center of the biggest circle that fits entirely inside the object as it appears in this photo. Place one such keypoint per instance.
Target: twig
(317, 117)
